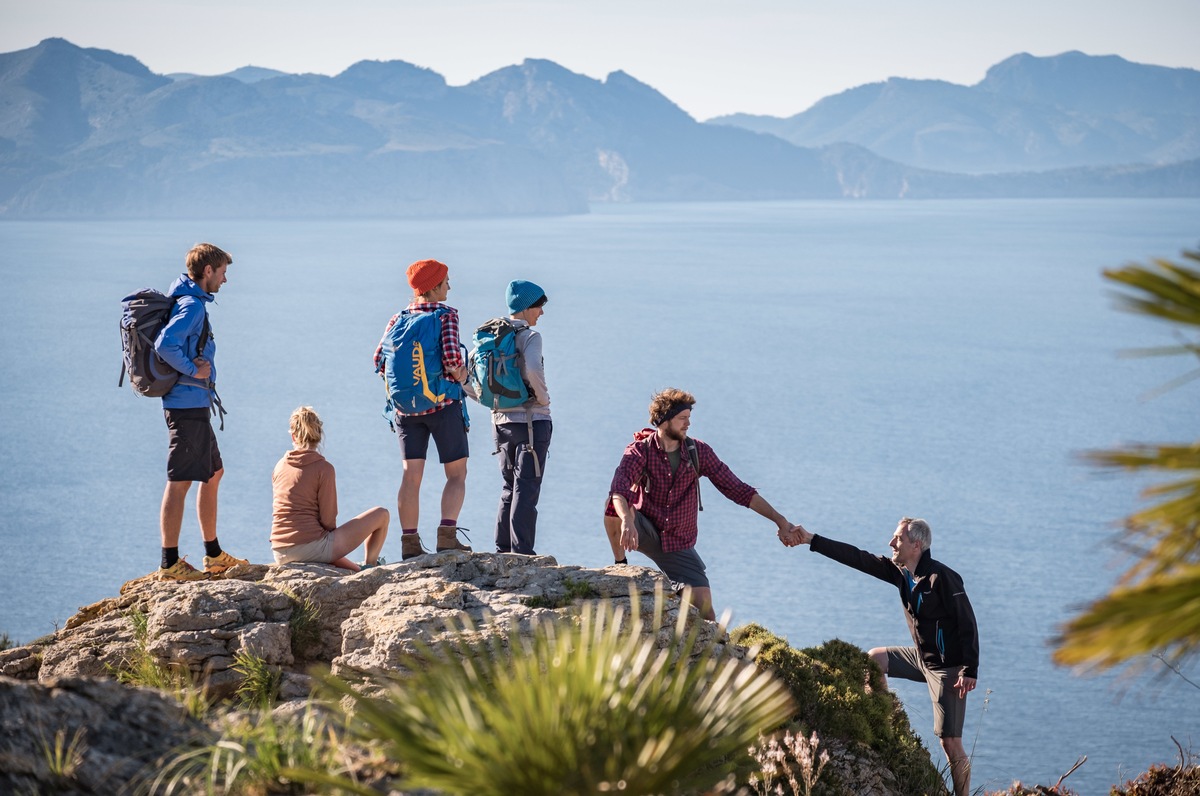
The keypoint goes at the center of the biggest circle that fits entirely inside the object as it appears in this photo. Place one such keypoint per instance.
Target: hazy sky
(709, 56)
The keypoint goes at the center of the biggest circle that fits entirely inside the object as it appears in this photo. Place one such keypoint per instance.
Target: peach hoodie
(305, 499)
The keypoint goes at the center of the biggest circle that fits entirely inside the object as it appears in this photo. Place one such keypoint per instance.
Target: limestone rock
(290, 618)
(110, 736)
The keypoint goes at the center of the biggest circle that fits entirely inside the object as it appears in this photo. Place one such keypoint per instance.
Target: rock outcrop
(289, 618)
(87, 735)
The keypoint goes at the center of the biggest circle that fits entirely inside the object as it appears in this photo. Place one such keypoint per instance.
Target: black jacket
(939, 614)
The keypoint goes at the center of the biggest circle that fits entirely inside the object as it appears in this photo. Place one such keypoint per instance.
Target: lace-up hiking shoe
(379, 562)
(410, 546)
(447, 539)
(181, 570)
(216, 566)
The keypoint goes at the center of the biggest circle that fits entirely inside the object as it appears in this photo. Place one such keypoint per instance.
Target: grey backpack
(143, 315)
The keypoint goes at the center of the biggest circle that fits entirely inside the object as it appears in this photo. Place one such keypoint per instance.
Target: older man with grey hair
(940, 619)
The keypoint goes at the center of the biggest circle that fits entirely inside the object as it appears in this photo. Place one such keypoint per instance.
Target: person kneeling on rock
(304, 525)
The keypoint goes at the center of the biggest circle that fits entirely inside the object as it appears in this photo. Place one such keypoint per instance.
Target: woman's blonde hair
(306, 427)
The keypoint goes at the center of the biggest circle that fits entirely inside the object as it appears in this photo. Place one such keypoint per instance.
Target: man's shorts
(318, 552)
(192, 453)
(683, 567)
(447, 427)
(949, 708)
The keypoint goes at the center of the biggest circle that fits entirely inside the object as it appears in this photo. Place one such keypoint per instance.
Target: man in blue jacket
(940, 619)
(186, 343)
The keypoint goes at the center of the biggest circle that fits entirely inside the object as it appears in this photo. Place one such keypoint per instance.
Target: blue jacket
(177, 342)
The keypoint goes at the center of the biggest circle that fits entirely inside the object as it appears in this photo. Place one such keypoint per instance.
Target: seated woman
(304, 514)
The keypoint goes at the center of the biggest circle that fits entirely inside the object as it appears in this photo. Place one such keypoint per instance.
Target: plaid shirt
(671, 500)
(452, 356)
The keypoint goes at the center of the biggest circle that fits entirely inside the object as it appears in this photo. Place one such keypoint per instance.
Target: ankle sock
(449, 522)
(407, 531)
(212, 549)
(170, 555)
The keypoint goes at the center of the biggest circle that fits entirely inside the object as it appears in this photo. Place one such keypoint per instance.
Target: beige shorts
(318, 552)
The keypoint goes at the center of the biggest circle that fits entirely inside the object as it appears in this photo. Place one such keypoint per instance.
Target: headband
(670, 413)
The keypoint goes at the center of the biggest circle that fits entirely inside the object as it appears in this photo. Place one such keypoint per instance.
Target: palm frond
(1156, 606)
(1168, 291)
(1159, 614)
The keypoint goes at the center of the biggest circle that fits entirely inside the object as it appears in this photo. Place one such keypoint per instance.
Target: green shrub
(260, 682)
(305, 625)
(583, 705)
(828, 684)
(253, 754)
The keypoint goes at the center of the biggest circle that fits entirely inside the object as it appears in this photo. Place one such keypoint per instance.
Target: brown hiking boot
(216, 565)
(181, 570)
(410, 546)
(447, 539)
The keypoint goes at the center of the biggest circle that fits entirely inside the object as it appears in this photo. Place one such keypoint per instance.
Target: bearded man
(654, 498)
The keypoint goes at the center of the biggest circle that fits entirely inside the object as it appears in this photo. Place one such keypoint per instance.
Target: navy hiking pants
(516, 519)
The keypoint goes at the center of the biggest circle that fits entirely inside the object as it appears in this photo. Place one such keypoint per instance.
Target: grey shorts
(318, 552)
(683, 567)
(949, 708)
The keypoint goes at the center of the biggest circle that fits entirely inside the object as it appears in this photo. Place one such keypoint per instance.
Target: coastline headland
(296, 620)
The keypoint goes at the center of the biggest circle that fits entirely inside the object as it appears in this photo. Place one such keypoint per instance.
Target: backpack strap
(214, 401)
(694, 457)
(537, 466)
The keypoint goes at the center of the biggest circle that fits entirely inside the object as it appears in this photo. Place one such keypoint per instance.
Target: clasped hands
(794, 536)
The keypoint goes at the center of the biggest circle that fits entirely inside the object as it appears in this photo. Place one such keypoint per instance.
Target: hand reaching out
(794, 536)
(800, 535)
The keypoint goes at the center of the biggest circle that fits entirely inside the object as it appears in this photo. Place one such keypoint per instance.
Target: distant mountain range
(1027, 114)
(90, 133)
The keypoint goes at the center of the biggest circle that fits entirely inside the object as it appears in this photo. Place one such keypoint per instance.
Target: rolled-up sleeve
(629, 473)
(728, 484)
(452, 355)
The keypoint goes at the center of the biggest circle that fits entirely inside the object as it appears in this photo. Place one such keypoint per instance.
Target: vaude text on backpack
(494, 366)
(412, 364)
(143, 315)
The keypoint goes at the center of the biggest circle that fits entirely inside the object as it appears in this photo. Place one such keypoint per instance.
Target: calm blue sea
(855, 361)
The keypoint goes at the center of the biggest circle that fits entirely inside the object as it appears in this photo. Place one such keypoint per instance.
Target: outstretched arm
(760, 506)
(876, 566)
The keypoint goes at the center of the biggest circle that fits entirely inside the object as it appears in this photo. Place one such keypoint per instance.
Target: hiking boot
(410, 546)
(447, 539)
(379, 562)
(215, 566)
(181, 570)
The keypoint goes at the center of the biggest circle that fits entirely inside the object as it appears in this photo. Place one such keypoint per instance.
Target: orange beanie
(425, 275)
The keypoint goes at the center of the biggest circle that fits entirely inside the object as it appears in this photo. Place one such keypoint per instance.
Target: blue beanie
(522, 295)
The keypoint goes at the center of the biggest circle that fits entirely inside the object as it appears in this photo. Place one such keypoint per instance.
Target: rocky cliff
(60, 698)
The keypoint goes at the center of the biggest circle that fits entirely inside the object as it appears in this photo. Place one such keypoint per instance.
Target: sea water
(855, 361)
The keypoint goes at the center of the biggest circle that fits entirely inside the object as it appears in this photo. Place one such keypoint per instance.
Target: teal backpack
(494, 365)
(412, 364)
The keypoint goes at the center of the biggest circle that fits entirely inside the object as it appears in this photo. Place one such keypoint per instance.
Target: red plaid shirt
(671, 500)
(452, 356)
